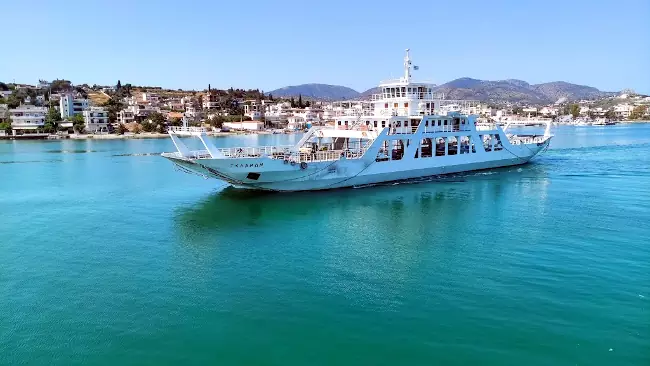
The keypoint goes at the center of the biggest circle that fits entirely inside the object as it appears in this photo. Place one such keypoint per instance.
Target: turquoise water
(109, 256)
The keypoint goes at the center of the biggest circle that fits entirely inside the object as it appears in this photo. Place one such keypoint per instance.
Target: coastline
(158, 135)
(127, 136)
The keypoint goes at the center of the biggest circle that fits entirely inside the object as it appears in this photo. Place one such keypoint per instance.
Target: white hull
(275, 175)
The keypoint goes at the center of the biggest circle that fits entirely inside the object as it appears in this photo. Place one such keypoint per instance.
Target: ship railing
(197, 154)
(327, 155)
(256, 152)
(407, 95)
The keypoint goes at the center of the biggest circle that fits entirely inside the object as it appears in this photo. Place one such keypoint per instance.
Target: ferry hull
(275, 175)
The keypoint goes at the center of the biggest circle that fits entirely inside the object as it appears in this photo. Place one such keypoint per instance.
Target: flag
(416, 67)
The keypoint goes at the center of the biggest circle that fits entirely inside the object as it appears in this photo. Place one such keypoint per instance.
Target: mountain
(317, 91)
(511, 90)
(499, 91)
(518, 91)
(560, 89)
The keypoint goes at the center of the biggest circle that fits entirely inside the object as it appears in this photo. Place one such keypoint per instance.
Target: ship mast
(407, 67)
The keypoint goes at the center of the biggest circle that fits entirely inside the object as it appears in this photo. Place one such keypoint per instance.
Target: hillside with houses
(60, 107)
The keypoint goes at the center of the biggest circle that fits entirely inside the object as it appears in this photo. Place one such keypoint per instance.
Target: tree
(137, 129)
(60, 85)
(13, 101)
(176, 122)
(3, 86)
(121, 129)
(575, 110)
(610, 114)
(6, 125)
(293, 102)
(78, 123)
(52, 120)
(113, 106)
(638, 112)
(300, 101)
(118, 86)
(53, 116)
(148, 126)
(156, 118)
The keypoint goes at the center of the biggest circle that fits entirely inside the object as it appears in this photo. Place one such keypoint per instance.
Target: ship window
(397, 149)
(346, 123)
(339, 123)
(403, 91)
(398, 124)
(445, 122)
(383, 124)
(440, 147)
(394, 105)
(406, 105)
(426, 148)
(367, 123)
(375, 124)
(386, 105)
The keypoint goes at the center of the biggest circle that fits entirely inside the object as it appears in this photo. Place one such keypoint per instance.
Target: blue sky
(270, 44)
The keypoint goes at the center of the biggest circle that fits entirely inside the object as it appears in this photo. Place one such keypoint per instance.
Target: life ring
(293, 163)
(343, 154)
(303, 165)
(286, 161)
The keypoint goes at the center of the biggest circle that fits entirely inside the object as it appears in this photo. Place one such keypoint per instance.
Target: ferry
(408, 131)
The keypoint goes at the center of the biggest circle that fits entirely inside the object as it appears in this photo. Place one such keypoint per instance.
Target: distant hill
(518, 91)
(316, 91)
(499, 91)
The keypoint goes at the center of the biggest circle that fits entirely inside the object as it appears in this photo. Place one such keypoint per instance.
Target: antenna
(407, 67)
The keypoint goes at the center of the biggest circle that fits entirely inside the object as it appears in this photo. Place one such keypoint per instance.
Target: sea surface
(108, 256)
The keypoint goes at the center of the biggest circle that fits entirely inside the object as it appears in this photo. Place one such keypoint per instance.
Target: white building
(40, 99)
(5, 93)
(70, 106)
(27, 119)
(125, 116)
(244, 125)
(548, 111)
(296, 123)
(96, 119)
(175, 104)
(152, 98)
(623, 110)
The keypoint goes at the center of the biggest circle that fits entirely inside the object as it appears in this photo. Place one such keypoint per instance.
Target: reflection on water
(417, 200)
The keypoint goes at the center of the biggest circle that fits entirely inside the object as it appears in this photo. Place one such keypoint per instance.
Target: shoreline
(158, 135)
(130, 136)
